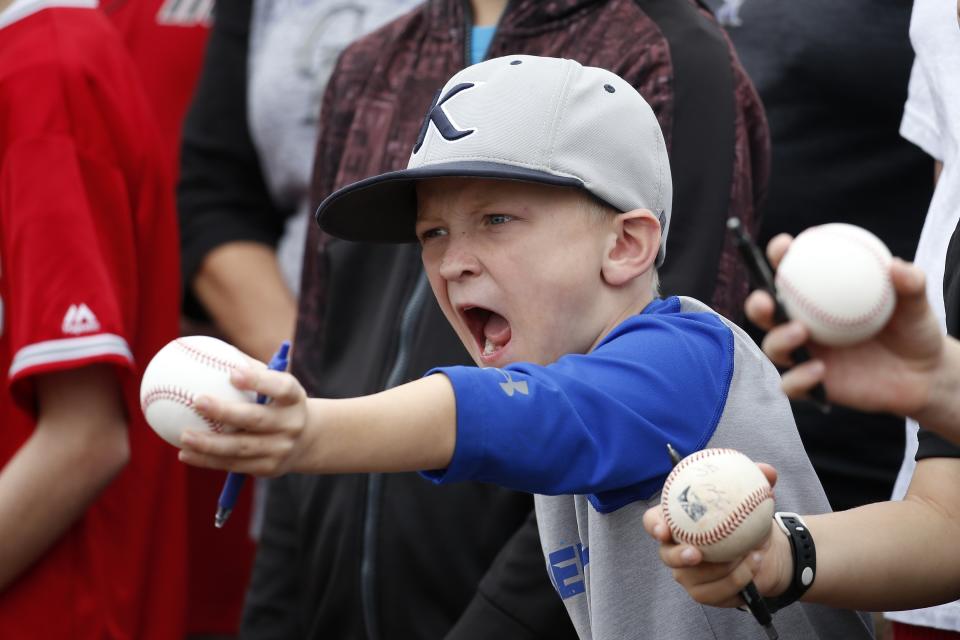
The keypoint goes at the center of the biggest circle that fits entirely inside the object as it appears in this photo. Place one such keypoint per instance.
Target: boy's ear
(633, 248)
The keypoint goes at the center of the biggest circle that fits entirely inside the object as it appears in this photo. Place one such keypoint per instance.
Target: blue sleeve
(596, 424)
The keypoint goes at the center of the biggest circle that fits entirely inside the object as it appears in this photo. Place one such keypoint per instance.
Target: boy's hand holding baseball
(896, 371)
(268, 439)
(769, 566)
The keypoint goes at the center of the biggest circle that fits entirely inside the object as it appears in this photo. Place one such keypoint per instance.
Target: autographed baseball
(719, 501)
(835, 278)
(185, 369)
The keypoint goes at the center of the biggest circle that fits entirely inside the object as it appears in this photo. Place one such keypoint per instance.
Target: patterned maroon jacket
(391, 556)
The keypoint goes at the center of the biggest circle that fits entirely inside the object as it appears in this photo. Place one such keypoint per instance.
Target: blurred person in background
(833, 80)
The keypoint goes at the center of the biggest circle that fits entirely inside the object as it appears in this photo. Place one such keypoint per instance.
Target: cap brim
(384, 208)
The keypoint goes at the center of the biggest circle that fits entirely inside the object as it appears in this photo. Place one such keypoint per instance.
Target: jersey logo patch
(510, 387)
(79, 319)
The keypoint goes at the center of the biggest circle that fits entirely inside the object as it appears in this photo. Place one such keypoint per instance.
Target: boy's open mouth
(490, 330)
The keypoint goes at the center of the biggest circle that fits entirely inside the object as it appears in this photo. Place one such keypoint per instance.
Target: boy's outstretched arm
(910, 368)
(408, 428)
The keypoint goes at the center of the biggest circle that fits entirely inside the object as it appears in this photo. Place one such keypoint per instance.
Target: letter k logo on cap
(441, 120)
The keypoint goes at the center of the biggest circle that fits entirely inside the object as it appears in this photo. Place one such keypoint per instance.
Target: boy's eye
(499, 218)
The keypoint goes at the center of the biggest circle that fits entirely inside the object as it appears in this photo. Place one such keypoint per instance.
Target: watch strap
(804, 559)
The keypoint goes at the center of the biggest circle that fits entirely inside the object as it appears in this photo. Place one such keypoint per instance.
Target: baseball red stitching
(829, 318)
(722, 529)
(208, 359)
(729, 524)
(180, 396)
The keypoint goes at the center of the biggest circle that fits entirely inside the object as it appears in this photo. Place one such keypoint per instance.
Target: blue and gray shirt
(588, 435)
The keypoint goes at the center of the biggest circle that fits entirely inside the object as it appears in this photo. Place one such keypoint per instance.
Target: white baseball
(719, 501)
(835, 279)
(181, 372)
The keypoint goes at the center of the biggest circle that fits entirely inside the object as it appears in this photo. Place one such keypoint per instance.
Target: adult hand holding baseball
(892, 370)
(762, 558)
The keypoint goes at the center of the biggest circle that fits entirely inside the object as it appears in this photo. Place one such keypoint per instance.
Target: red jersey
(166, 39)
(88, 274)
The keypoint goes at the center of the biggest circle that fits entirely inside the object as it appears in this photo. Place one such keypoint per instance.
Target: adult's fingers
(908, 279)
(780, 342)
(798, 381)
(759, 308)
(909, 282)
(777, 247)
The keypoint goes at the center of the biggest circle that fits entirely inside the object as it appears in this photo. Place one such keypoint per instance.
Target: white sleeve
(920, 124)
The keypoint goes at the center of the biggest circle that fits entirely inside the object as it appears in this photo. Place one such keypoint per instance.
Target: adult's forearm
(942, 412)
(74, 452)
(241, 287)
(893, 555)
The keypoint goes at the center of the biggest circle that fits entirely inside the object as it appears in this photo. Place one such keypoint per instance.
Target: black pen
(231, 488)
(762, 277)
(749, 593)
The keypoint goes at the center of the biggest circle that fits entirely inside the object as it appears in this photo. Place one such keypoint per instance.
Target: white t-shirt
(294, 45)
(931, 120)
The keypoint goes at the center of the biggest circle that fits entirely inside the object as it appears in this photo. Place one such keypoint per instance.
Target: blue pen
(231, 488)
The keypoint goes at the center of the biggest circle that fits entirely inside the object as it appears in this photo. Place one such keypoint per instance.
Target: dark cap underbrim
(384, 208)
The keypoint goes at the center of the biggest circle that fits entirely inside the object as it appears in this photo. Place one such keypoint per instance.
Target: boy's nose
(458, 263)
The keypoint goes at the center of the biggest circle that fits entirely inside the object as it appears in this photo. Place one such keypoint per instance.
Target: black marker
(749, 594)
(762, 277)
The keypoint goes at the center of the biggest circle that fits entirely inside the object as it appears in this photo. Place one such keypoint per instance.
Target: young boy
(540, 191)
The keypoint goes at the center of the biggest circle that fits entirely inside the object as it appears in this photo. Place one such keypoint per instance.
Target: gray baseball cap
(545, 120)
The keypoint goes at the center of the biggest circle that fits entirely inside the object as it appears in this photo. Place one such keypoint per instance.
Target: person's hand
(769, 566)
(893, 371)
(268, 438)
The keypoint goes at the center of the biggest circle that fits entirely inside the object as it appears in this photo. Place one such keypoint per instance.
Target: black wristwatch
(804, 559)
